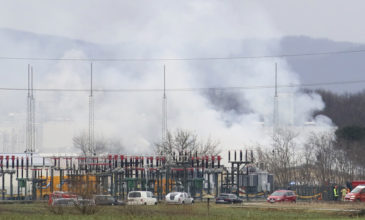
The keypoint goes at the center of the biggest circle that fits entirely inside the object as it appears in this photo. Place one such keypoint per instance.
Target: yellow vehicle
(84, 184)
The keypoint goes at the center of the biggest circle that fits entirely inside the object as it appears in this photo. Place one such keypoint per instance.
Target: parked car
(141, 198)
(357, 194)
(107, 200)
(61, 195)
(63, 202)
(357, 182)
(227, 198)
(85, 202)
(179, 198)
(282, 196)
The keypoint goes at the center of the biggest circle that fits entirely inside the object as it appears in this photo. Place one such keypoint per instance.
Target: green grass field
(175, 212)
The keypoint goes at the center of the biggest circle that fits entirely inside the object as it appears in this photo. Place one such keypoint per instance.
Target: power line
(300, 85)
(184, 59)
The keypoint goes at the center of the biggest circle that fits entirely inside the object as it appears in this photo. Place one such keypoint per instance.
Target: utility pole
(91, 115)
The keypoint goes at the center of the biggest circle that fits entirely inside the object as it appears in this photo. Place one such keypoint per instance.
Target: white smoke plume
(179, 29)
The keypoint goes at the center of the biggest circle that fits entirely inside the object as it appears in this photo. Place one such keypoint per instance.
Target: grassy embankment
(196, 211)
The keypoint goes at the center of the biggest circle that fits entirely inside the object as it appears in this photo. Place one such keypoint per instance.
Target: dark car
(63, 202)
(85, 202)
(107, 200)
(282, 196)
(226, 198)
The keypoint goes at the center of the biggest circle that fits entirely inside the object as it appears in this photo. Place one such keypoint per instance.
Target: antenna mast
(91, 115)
(30, 123)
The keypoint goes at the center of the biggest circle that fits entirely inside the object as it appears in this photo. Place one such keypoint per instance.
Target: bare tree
(324, 152)
(167, 146)
(306, 168)
(101, 145)
(284, 155)
(209, 147)
(81, 142)
(280, 159)
(186, 141)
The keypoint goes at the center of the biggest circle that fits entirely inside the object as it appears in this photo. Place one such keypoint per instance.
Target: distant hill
(311, 69)
(326, 68)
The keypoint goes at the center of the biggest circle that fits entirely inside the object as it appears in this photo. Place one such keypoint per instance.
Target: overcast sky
(115, 21)
(334, 19)
(168, 29)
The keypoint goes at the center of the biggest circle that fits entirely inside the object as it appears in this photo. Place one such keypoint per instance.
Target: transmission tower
(30, 123)
(91, 144)
(164, 107)
(276, 101)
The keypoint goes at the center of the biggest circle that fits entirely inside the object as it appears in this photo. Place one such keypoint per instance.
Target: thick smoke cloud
(182, 29)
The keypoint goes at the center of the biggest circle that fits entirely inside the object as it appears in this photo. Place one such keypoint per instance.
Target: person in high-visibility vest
(335, 193)
(343, 193)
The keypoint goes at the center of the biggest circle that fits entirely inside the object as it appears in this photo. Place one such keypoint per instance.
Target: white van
(141, 198)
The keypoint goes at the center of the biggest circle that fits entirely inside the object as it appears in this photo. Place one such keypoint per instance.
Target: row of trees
(178, 141)
(319, 161)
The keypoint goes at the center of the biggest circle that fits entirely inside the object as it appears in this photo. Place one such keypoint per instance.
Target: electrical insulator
(229, 156)
(137, 161)
(110, 161)
(121, 160)
(12, 161)
(219, 161)
(115, 161)
(7, 161)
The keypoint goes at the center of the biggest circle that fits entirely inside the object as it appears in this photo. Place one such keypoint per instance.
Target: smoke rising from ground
(176, 30)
